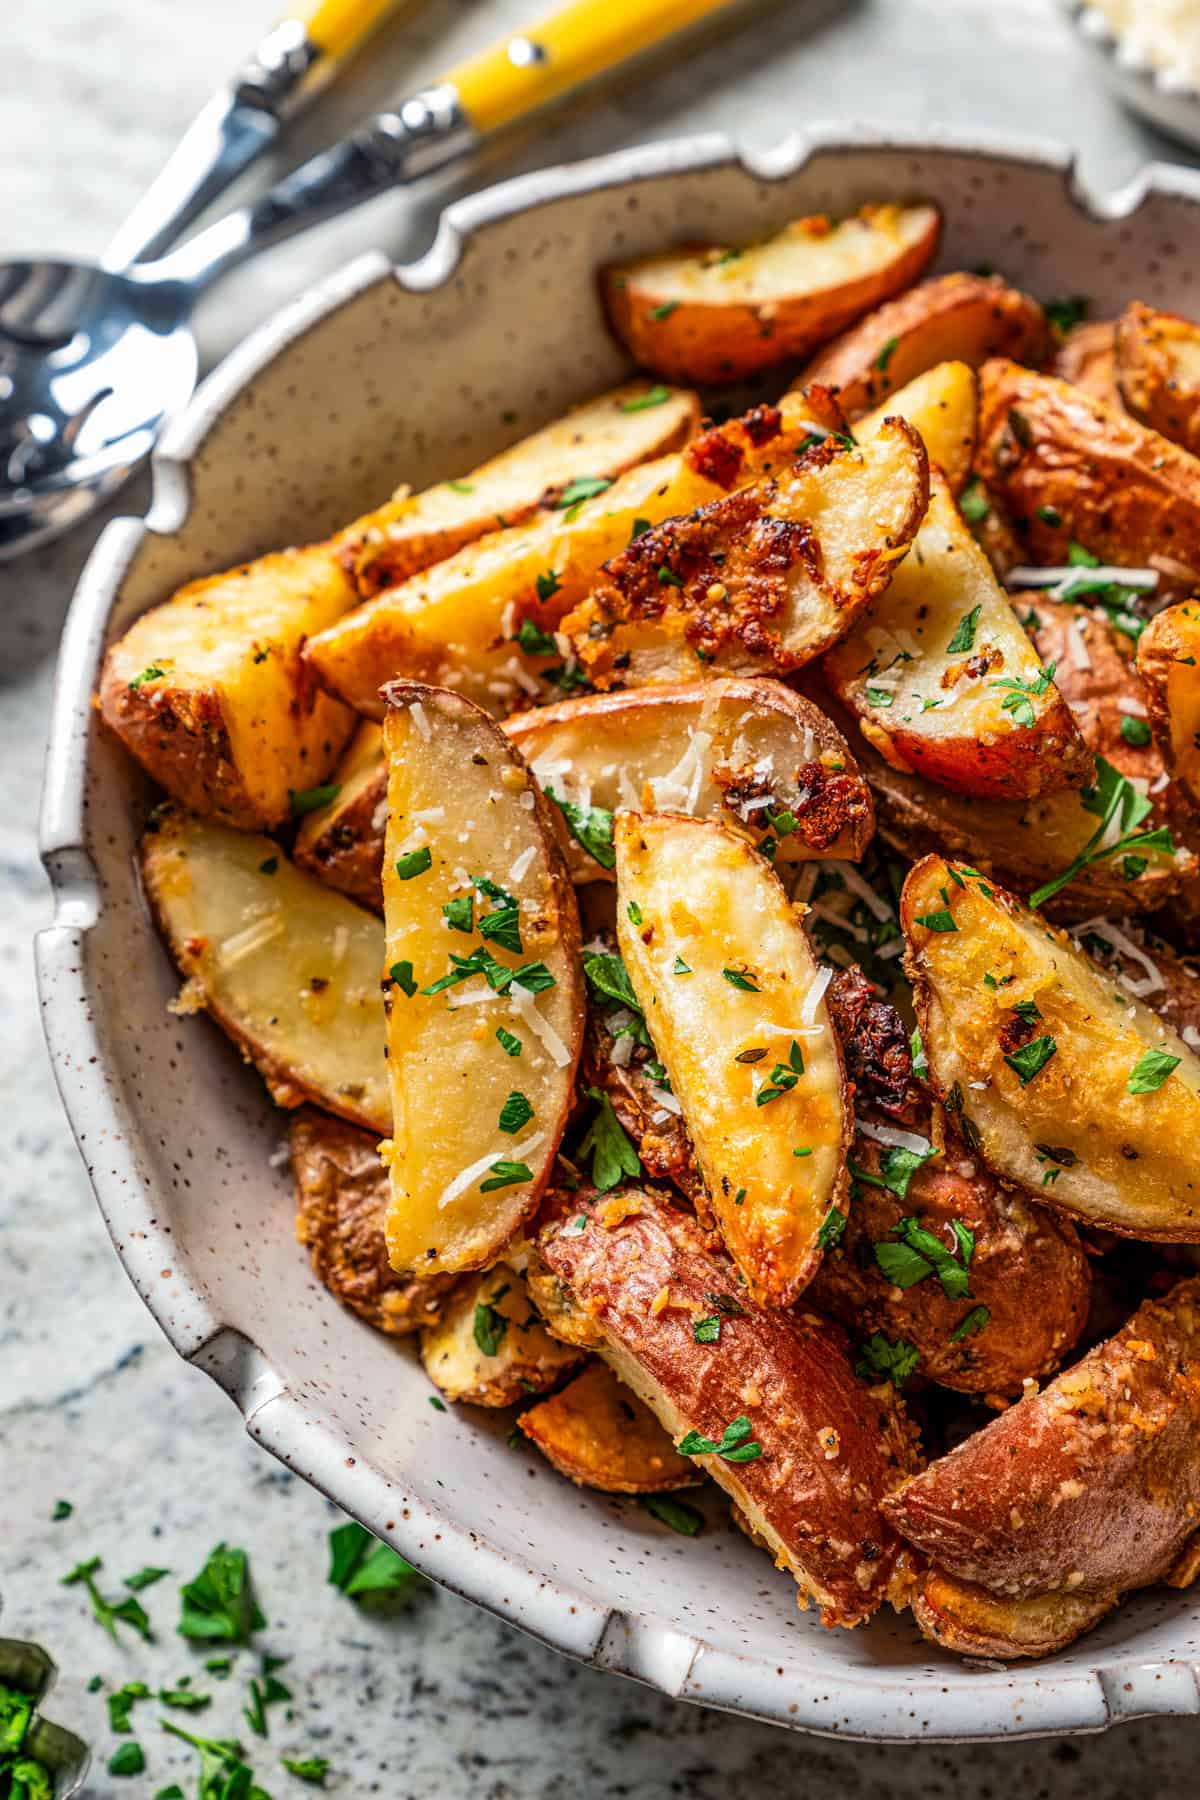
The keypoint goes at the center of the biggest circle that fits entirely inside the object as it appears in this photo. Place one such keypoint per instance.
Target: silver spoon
(92, 361)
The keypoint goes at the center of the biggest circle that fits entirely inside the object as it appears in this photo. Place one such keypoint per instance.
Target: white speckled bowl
(382, 375)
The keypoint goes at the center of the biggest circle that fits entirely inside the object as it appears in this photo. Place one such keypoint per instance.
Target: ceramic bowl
(383, 375)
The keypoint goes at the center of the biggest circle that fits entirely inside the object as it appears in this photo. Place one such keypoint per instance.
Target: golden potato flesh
(715, 314)
(596, 1432)
(209, 691)
(734, 1002)
(484, 997)
(942, 406)
(945, 681)
(1070, 1086)
(287, 968)
(1158, 371)
(489, 1347)
(599, 439)
(743, 750)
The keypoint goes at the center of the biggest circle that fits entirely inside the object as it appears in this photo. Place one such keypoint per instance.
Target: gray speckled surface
(440, 1700)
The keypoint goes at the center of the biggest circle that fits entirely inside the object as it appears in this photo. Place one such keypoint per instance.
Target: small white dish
(1162, 97)
(382, 375)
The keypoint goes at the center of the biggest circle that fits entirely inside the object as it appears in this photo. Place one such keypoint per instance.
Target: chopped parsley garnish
(880, 1360)
(269, 865)
(974, 1321)
(461, 487)
(530, 637)
(1019, 695)
(220, 1601)
(880, 696)
(590, 826)
(515, 1114)
(833, 1225)
(503, 1173)
(360, 1564)
(152, 672)
(1150, 1071)
(664, 311)
(655, 396)
(503, 927)
(533, 977)
(897, 1166)
(708, 1331)
(634, 913)
(490, 1328)
(1061, 315)
(1049, 515)
(266, 1690)
(941, 920)
(1114, 798)
(736, 1445)
(416, 862)
(109, 1613)
(668, 578)
(584, 487)
(964, 635)
(306, 800)
(1135, 731)
(459, 913)
(639, 529)
(680, 1517)
(402, 974)
(681, 968)
(609, 1146)
(608, 975)
(885, 354)
(739, 978)
(919, 1253)
(1027, 1011)
(510, 1045)
(920, 1066)
(1031, 1058)
(783, 1076)
(973, 502)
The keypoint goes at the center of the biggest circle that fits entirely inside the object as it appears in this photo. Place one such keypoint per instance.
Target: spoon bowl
(91, 364)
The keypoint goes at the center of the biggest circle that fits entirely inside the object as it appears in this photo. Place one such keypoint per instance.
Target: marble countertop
(441, 1700)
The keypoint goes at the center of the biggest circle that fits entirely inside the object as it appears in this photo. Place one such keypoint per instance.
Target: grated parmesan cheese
(815, 995)
(1077, 645)
(252, 939)
(524, 1003)
(465, 1177)
(420, 719)
(894, 1137)
(865, 892)
(520, 867)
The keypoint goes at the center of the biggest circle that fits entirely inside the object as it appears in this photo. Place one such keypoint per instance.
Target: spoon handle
(438, 125)
(295, 60)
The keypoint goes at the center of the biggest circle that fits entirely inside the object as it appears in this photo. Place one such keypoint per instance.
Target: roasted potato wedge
(959, 318)
(734, 1002)
(1158, 371)
(342, 842)
(1087, 358)
(1089, 1488)
(764, 580)
(829, 1447)
(1020, 841)
(1095, 673)
(598, 1433)
(1169, 664)
(714, 314)
(341, 1200)
(616, 1065)
(484, 995)
(489, 1347)
(1066, 468)
(1148, 969)
(1021, 1300)
(599, 439)
(482, 616)
(210, 694)
(943, 406)
(964, 1618)
(1067, 1084)
(287, 968)
(944, 680)
(739, 749)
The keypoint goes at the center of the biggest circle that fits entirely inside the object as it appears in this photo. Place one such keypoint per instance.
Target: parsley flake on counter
(881, 1360)
(964, 633)
(360, 1564)
(62, 1510)
(609, 1146)
(306, 800)
(121, 1703)
(1031, 1058)
(145, 1578)
(416, 862)
(312, 1769)
(127, 1759)
(185, 1698)
(590, 826)
(1150, 1071)
(675, 1513)
(515, 1114)
(220, 1601)
(736, 1445)
(127, 1611)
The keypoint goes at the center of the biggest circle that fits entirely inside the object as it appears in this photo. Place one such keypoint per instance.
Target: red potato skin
(1148, 385)
(1091, 1487)
(950, 318)
(1028, 1269)
(1086, 359)
(1126, 494)
(717, 342)
(789, 1373)
(349, 855)
(963, 1618)
(1020, 764)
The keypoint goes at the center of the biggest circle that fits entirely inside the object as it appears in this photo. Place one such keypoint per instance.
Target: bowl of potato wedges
(626, 838)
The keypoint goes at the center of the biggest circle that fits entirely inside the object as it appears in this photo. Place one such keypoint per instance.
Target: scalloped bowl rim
(1033, 1700)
